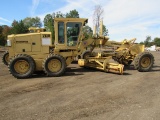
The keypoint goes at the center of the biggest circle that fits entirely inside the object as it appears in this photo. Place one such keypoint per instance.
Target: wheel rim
(21, 66)
(145, 62)
(54, 65)
(7, 58)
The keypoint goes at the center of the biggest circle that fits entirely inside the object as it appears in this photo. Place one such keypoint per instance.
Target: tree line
(149, 42)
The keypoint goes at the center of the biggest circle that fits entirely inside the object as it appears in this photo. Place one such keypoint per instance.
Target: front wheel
(54, 65)
(144, 61)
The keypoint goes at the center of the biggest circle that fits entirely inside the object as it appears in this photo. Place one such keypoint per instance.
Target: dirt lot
(83, 94)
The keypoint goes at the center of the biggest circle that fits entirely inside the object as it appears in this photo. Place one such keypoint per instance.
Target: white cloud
(5, 20)
(35, 4)
(132, 18)
(123, 18)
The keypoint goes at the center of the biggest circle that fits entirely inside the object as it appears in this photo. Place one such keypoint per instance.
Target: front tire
(144, 61)
(22, 66)
(54, 65)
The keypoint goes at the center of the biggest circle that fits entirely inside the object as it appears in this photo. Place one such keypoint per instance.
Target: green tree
(1, 29)
(148, 42)
(4, 31)
(49, 25)
(58, 15)
(2, 40)
(157, 41)
(105, 30)
(1, 36)
(142, 43)
(32, 22)
(87, 32)
(72, 14)
(18, 27)
(15, 22)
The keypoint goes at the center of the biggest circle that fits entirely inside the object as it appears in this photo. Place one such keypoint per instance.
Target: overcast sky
(123, 18)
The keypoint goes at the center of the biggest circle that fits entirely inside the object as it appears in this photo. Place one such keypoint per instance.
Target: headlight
(8, 42)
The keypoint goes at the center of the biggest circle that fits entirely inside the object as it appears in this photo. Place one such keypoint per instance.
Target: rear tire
(21, 66)
(5, 58)
(144, 61)
(54, 65)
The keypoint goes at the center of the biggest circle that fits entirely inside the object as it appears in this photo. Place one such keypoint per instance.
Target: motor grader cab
(35, 51)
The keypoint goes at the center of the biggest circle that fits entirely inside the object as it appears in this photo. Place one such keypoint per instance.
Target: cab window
(73, 30)
(61, 32)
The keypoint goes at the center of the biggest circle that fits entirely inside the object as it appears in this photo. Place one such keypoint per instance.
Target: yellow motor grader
(35, 51)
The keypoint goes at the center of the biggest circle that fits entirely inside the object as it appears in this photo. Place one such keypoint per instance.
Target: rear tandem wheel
(22, 66)
(5, 58)
(54, 65)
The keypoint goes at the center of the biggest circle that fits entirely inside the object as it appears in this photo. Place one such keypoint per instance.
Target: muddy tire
(54, 65)
(22, 66)
(144, 61)
(5, 58)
